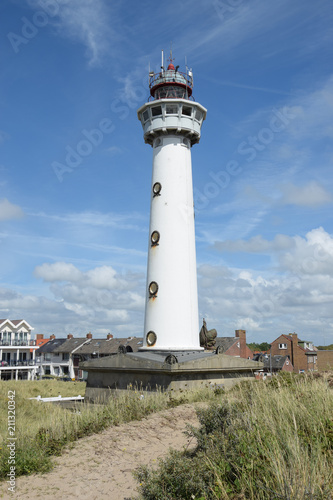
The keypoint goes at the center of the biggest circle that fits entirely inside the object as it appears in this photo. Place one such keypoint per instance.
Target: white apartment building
(17, 350)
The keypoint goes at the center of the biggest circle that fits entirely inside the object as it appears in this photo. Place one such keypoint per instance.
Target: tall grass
(260, 441)
(43, 429)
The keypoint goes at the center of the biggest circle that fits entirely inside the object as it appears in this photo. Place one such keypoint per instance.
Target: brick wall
(234, 350)
(241, 335)
(324, 360)
(287, 367)
(275, 350)
(239, 348)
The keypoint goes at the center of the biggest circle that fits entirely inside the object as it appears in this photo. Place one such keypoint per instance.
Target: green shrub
(261, 441)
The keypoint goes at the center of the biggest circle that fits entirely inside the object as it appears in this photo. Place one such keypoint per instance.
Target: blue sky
(75, 172)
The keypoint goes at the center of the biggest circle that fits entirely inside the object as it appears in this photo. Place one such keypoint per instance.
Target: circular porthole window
(151, 338)
(155, 238)
(157, 188)
(153, 289)
(157, 142)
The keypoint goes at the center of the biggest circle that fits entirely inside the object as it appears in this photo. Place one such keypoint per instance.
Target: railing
(4, 364)
(170, 76)
(18, 343)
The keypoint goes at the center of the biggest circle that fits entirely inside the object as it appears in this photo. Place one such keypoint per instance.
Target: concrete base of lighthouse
(163, 371)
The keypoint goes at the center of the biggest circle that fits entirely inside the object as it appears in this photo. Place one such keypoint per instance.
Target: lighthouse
(170, 357)
(171, 122)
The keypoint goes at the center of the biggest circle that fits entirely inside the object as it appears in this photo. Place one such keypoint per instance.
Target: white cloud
(87, 22)
(9, 211)
(59, 271)
(312, 255)
(294, 294)
(309, 195)
(256, 244)
(99, 297)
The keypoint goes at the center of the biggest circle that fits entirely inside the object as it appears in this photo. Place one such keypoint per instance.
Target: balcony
(8, 364)
(17, 343)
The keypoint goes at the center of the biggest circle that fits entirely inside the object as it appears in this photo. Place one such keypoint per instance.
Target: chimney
(89, 335)
(294, 345)
(241, 335)
(109, 336)
(39, 336)
(52, 337)
(69, 336)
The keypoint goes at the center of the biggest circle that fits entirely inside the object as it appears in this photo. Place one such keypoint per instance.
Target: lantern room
(170, 83)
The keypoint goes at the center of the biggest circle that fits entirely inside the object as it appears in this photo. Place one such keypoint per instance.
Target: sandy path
(100, 466)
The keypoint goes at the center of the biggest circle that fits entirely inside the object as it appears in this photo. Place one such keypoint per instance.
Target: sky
(75, 172)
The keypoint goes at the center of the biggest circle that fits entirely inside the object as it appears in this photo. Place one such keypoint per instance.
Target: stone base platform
(153, 371)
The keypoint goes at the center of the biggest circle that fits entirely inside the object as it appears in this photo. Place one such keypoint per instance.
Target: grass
(42, 430)
(259, 441)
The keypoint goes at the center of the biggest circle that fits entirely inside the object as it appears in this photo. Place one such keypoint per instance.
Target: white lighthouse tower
(171, 122)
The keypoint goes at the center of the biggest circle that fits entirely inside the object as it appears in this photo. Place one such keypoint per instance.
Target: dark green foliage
(264, 346)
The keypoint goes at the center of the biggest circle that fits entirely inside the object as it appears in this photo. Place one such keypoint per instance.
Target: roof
(225, 342)
(103, 346)
(15, 323)
(51, 345)
(277, 361)
(71, 345)
(41, 342)
(90, 346)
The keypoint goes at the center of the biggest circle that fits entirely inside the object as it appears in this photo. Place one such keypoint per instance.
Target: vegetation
(260, 441)
(44, 429)
(264, 346)
(325, 347)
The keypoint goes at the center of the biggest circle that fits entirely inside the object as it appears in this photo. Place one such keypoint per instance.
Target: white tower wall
(173, 313)
(171, 127)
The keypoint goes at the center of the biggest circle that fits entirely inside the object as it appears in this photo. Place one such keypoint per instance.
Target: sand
(100, 467)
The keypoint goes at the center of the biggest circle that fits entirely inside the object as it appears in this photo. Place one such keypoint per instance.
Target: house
(56, 356)
(17, 350)
(303, 355)
(61, 357)
(234, 346)
(273, 364)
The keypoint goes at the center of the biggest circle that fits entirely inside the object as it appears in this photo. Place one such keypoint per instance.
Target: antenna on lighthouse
(186, 75)
(162, 66)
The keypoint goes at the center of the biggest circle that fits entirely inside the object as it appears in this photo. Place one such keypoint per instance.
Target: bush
(261, 441)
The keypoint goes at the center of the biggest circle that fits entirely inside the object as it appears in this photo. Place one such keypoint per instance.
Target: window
(282, 346)
(145, 115)
(154, 238)
(156, 111)
(65, 356)
(187, 111)
(171, 109)
(47, 356)
(198, 115)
